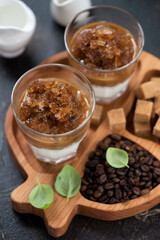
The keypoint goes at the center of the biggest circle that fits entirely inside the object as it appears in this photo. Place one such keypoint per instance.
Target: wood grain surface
(58, 217)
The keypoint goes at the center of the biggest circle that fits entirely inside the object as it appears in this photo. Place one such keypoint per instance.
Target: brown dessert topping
(103, 45)
(53, 106)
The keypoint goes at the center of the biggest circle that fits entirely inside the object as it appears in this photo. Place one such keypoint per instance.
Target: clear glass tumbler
(58, 147)
(107, 84)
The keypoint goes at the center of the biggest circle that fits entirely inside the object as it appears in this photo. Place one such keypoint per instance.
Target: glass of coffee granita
(104, 43)
(52, 105)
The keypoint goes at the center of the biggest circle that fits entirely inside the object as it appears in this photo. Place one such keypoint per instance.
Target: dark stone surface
(48, 40)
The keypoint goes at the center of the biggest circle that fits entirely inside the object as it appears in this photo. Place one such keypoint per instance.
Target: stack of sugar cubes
(148, 109)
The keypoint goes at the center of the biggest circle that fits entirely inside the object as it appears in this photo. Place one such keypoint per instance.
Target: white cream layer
(108, 94)
(55, 156)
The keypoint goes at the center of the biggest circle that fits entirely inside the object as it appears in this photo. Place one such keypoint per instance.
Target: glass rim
(102, 70)
(45, 134)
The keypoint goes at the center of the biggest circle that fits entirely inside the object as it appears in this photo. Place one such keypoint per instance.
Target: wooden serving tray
(59, 215)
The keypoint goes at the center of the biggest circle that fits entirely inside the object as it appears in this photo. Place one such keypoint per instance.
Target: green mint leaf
(117, 158)
(41, 196)
(68, 182)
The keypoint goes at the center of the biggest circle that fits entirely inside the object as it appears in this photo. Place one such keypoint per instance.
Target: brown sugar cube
(146, 90)
(142, 129)
(143, 111)
(156, 129)
(96, 117)
(156, 81)
(116, 119)
(156, 106)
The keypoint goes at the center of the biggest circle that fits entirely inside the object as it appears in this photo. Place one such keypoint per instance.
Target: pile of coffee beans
(105, 184)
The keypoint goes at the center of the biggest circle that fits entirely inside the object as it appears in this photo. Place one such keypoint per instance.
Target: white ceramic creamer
(63, 10)
(17, 25)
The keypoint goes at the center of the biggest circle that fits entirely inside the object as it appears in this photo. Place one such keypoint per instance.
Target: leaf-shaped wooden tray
(58, 217)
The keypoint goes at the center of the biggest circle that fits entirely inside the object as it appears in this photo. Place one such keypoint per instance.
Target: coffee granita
(53, 106)
(103, 45)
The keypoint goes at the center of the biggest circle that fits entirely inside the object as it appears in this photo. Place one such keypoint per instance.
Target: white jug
(17, 25)
(63, 10)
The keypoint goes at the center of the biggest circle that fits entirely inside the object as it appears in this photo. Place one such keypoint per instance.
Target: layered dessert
(53, 107)
(101, 50)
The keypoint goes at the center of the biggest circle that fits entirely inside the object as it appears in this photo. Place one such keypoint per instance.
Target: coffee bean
(121, 172)
(89, 192)
(83, 188)
(118, 194)
(110, 193)
(101, 188)
(103, 198)
(139, 148)
(99, 145)
(92, 164)
(145, 168)
(130, 174)
(131, 160)
(115, 180)
(136, 191)
(102, 178)
(112, 175)
(104, 146)
(145, 191)
(138, 172)
(144, 174)
(134, 196)
(116, 137)
(97, 194)
(142, 160)
(131, 181)
(128, 142)
(117, 145)
(127, 188)
(136, 165)
(154, 175)
(99, 172)
(136, 179)
(98, 153)
(157, 171)
(122, 182)
(129, 148)
(91, 155)
(150, 161)
(140, 153)
(142, 183)
(108, 186)
(89, 180)
(145, 178)
(85, 181)
(121, 142)
(107, 140)
(111, 170)
(148, 184)
(124, 194)
(129, 193)
(156, 164)
(92, 198)
(99, 167)
(112, 200)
